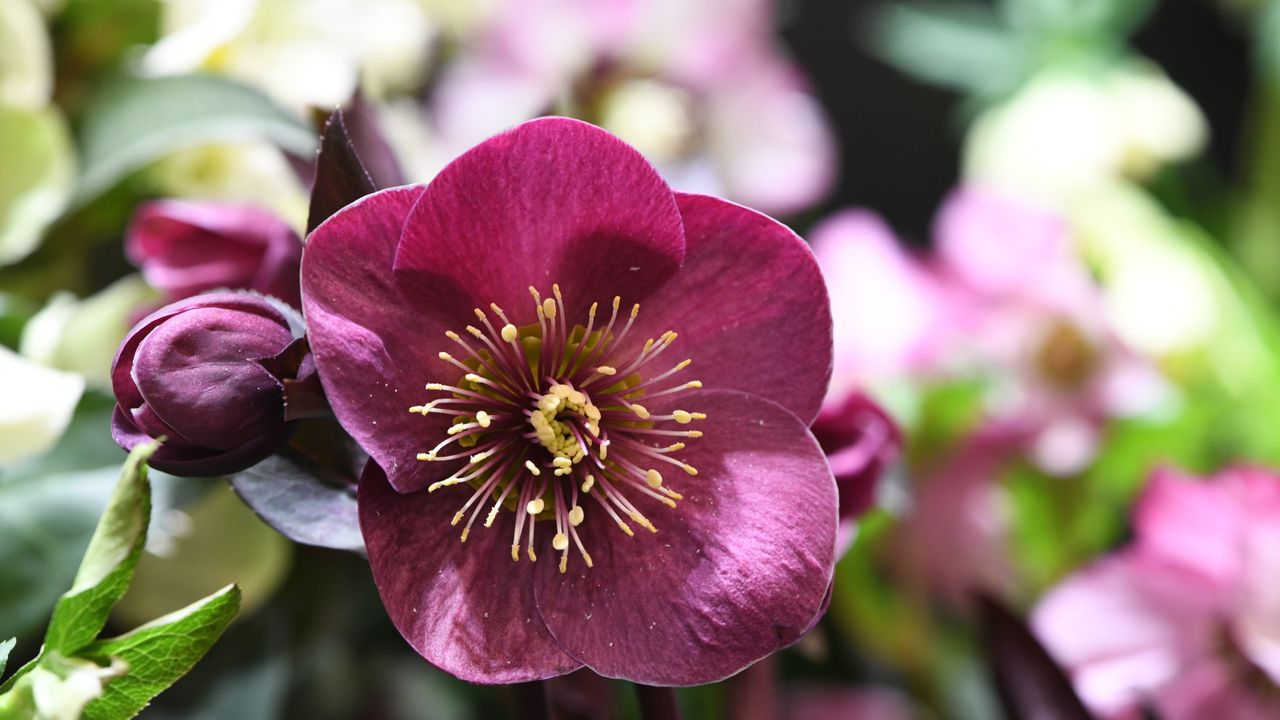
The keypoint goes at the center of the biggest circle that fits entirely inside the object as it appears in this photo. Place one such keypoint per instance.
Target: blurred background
(1050, 229)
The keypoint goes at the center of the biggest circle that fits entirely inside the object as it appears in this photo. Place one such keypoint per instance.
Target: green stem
(657, 703)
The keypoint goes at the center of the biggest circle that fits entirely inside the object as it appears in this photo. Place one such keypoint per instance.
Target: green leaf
(159, 653)
(108, 564)
(957, 45)
(138, 120)
(6, 647)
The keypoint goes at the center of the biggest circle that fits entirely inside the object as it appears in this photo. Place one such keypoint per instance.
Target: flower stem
(657, 703)
(753, 693)
(529, 700)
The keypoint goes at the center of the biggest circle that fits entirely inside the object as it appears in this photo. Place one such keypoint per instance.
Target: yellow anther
(472, 377)
(493, 515)
(484, 419)
(509, 332)
(576, 515)
(626, 529)
(564, 563)
(695, 433)
(533, 557)
(674, 447)
(535, 506)
(465, 532)
(640, 411)
(683, 364)
(682, 417)
(418, 409)
(606, 370)
(560, 541)
(695, 384)
(690, 469)
(591, 411)
(562, 462)
(549, 308)
(457, 518)
(515, 553)
(654, 478)
(617, 302)
(424, 456)
(561, 391)
(444, 356)
(588, 483)
(528, 464)
(452, 335)
(635, 310)
(434, 386)
(475, 331)
(586, 559)
(481, 456)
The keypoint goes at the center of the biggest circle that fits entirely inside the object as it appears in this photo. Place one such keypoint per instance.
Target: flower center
(1066, 356)
(546, 416)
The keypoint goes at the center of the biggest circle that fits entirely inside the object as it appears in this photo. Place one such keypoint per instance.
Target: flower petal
(750, 307)
(1124, 627)
(373, 333)
(1193, 523)
(466, 608)
(737, 571)
(553, 200)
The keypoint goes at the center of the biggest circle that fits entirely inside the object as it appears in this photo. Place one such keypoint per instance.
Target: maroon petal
(553, 200)
(737, 571)
(466, 608)
(749, 305)
(374, 334)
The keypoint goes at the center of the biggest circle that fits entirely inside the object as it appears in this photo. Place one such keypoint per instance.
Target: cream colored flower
(301, 52)
(38, 403)
(1066, 132)
(81, 336)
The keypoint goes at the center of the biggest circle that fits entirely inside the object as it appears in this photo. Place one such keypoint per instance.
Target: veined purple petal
(374, 335)
(553, 200)
(738, 570)
(749, 305)
(465, 607)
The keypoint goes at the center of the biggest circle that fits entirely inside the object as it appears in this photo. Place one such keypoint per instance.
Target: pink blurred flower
(890, 313)
(952, 540)
(1002, 298)
(188, 247)
(700, 88)
(1038, 326)
(1187, 617)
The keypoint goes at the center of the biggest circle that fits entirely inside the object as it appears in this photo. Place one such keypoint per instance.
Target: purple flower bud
(197, 372)
(185, 248)
(860, 441)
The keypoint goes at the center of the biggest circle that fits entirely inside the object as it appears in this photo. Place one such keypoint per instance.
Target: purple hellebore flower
(196, 372)
(563, 494)
(188, 247)
(861, 442)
